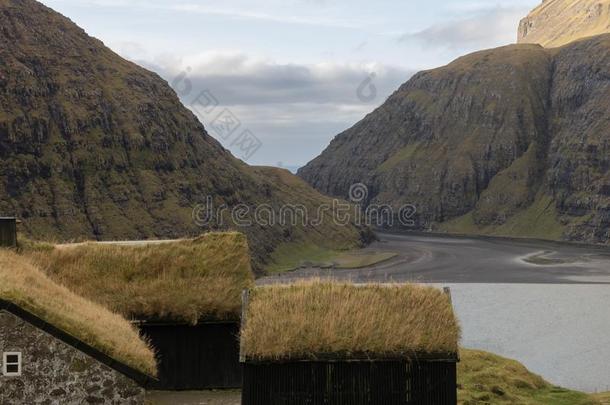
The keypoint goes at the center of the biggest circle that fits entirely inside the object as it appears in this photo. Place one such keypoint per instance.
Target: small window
(11, 364)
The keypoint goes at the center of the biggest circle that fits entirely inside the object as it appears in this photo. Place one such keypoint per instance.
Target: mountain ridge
(95, 147)
(501, 142)
(558, 22)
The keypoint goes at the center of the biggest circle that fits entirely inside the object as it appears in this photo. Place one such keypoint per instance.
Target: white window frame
(4, 364)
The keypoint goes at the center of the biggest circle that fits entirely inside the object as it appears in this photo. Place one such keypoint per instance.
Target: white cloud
(293, 109)
(236, 78)
(489, 27)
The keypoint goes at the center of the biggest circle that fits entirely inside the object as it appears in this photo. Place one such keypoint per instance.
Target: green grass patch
(291, 256)
(485, 378)
(463, 225)
(403, 154)
(25, 244)
(538, 221)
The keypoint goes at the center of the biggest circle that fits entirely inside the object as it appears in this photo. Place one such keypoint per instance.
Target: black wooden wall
(199, 357)
(350, 383)
(8, 232)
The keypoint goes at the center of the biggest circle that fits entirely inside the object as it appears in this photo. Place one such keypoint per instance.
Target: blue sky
(290, 70)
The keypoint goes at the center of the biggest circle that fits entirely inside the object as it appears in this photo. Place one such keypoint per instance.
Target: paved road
(445, 259)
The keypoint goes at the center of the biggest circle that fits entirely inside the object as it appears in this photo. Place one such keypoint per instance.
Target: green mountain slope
(95, 147)
(509, 141)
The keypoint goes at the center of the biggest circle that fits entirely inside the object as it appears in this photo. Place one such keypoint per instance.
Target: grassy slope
(291, 256)
(485, 378)
(137, 161)
(559, 22)
(318, 243)
(603, 398)
(539, 221)
(487, 134)
(24, 284)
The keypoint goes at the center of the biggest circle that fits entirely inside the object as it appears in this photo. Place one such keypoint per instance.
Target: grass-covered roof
(183, 281)
(317, 319)
(25, 285)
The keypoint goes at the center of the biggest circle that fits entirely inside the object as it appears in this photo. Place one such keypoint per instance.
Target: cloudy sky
(295, 73)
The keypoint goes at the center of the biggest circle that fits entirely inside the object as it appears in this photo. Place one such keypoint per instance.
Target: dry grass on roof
(23, 284)
(312, 319)
(183, 281)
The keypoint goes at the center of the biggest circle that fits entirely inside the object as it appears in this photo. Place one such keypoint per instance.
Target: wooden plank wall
(354, 383)
(199, 357)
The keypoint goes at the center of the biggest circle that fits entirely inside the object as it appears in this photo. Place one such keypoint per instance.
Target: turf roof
(312, 320)
(184, 281)
(23, 284)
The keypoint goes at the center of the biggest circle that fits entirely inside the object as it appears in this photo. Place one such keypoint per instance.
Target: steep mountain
(95, 147)
(509, 141)
(558, 22)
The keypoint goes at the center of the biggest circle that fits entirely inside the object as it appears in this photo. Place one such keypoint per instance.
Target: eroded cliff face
(558, 22)
(510, 141)
(94, 147)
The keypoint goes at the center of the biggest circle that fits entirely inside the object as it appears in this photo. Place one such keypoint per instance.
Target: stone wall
(54, 372)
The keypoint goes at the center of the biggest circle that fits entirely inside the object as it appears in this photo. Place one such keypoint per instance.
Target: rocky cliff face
(95, 147)
(510, 141)
(558, 22)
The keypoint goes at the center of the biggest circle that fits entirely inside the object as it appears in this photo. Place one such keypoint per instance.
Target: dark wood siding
(432, 383)
(8, 232)
(199, 357)
(353, 383)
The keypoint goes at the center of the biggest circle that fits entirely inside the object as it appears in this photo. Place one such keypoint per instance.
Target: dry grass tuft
(23, 284)
(312, 319)
(180, 281)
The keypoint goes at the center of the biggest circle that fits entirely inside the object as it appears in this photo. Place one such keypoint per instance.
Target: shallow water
(561, 332)
(435, 259)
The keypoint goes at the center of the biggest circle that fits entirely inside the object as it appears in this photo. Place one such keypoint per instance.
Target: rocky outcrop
(95, 147)
(558, 22)
(510, 141)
